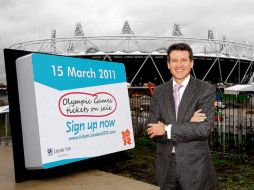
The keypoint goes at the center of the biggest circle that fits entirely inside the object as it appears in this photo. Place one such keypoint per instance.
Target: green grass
(2, 128)
(136, 163)
(234, 98)
(233, 172)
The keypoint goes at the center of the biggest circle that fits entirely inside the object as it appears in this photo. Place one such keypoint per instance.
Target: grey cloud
(25, 20)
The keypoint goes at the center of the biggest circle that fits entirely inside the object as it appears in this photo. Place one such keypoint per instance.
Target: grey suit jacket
(193, 160)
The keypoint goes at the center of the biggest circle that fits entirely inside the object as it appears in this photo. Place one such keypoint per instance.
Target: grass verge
(233, 172)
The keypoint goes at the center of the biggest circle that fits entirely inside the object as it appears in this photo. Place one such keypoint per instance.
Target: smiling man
(180, 120)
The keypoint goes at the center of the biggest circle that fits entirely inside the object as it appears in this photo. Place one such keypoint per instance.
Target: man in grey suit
(180, 120)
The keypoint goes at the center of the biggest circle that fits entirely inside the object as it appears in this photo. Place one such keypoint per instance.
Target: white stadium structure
(216, 61)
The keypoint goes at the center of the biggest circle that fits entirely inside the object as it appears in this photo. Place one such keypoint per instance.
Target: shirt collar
(184, 83)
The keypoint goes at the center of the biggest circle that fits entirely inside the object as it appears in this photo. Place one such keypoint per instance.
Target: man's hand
(198, 116)
(156, 129)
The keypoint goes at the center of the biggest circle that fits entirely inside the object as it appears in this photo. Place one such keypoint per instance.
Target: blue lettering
(73, 127)
(107, 123)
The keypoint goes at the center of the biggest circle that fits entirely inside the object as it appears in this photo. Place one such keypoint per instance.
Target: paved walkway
(87, 180)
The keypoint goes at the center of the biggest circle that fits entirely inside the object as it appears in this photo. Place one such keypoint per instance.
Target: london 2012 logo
(126, 137)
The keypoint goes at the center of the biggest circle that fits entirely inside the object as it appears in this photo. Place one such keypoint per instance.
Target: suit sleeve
(155, 115)
(197, 131)
(154, 109)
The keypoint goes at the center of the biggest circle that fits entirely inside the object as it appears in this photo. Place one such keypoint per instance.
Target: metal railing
(233, 130)
(5, 130)
(139, 105)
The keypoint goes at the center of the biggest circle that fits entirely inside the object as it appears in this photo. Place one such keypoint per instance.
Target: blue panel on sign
(63, 73)
(62, 162)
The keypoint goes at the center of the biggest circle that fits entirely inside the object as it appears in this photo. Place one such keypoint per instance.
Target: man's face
(179, 65)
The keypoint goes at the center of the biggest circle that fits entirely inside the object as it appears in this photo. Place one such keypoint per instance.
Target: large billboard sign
(72, 109)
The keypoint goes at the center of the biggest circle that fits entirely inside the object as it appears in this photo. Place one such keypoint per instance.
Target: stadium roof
(239, 88)
(131, 44)
(4, 109)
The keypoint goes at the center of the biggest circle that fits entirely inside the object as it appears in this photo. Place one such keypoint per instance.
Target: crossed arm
(197, 128)
(158, 129)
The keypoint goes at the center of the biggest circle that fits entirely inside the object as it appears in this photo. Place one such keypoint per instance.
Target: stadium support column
(53, 42)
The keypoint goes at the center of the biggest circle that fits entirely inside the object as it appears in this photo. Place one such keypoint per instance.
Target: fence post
(6, 125)
(223, 131)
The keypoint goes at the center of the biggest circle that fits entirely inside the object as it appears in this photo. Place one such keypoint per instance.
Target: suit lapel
(187, 98)
(169, 101)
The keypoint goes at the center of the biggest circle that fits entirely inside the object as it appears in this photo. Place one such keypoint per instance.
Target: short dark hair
(181, 47)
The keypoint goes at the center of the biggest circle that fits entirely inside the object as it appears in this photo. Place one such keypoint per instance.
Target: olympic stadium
(220, 62)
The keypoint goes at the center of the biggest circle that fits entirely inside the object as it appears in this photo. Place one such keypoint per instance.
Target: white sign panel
(72, 109)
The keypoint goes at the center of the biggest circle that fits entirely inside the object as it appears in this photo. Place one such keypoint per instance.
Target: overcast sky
(23, 20)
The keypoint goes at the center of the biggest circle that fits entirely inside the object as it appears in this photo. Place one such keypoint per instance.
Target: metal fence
(233, 130)
(139, 105)
(5, 130)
